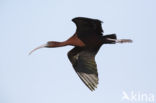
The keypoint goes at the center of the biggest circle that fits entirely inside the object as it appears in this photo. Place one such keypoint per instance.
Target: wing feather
(85, 66)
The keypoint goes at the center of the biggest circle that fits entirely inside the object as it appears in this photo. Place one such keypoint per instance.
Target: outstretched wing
(84, 64)
(87, 28)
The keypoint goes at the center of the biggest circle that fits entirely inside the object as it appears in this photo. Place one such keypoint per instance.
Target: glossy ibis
(87, 41)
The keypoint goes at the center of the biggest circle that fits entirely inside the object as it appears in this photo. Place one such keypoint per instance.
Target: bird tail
(112, 39)
(110, 36)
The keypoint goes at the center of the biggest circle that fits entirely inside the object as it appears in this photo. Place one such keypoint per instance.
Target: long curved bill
(42, 46)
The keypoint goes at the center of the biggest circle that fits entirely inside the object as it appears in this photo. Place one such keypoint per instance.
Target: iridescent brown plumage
(87, 40)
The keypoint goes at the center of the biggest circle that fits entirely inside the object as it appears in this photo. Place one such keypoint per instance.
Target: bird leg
(121, 40)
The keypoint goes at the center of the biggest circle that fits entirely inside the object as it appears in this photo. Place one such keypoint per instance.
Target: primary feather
(84, 64)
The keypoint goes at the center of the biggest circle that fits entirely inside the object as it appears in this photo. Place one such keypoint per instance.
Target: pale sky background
(47, 75)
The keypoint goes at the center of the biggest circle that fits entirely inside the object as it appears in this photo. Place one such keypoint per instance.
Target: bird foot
(124, 41)
(120, 40)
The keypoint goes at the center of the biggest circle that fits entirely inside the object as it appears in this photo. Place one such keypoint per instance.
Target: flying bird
(87, 41)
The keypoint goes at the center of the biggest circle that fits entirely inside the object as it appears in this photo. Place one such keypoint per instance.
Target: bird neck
(53, 44)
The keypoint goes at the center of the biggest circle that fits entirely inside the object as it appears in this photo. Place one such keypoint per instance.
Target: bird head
(50, 44)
